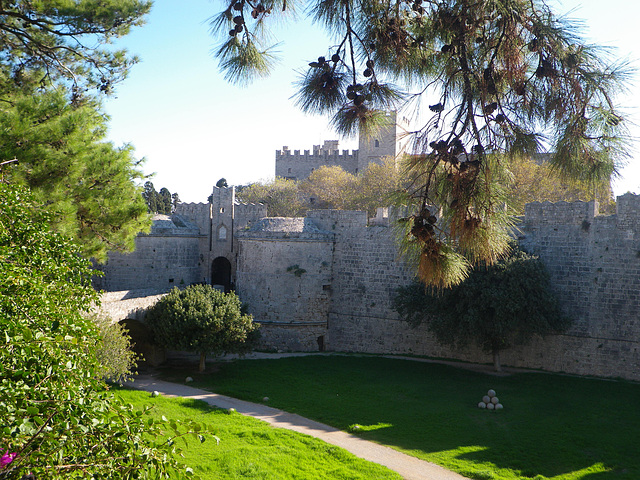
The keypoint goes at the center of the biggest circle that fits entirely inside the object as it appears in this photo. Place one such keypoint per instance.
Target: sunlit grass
(552, 427)
(252, 449)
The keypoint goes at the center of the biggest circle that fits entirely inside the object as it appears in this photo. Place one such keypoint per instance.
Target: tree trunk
(496, 361)
(203, 356)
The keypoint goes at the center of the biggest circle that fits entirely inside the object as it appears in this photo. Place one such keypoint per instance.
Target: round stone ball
(486, 399)
(155, 393)
(231, 410)
(265, 399)
(482, 405)
(491, 393)
(188, 380)
(499, 406)
(495, 400)
(490, 406)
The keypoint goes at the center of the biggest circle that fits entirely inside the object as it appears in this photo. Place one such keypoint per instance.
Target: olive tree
(201, 319)
(497, 306)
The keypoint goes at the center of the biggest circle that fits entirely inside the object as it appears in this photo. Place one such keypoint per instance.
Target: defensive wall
(594, 263)
(168, 256)
(327, 282)
(298, 166)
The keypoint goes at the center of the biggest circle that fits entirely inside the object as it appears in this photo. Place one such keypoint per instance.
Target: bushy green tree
(330, 187)
(496, 307)
(62, 155)
(279, 195)
(56, 415)
(494, 78)
(114, 350)
(203, 320)
(535, 180)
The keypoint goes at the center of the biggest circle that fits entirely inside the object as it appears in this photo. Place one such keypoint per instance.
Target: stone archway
(221, 273)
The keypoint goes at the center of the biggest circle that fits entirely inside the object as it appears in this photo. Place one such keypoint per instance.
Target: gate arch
(221, 273)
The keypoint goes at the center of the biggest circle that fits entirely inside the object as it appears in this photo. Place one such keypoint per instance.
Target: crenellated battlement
(296, 165)
(560, 213)
(582, 214)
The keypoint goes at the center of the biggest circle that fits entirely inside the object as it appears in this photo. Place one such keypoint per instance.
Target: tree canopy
(497, 306)
(62, 155)
(163, 202)
(58, 419)
(500, 78)
(55, 64)
(203, 320)
(280, 195)
(67, 41)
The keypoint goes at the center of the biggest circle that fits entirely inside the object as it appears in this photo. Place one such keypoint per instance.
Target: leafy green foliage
(56, 414)
(500, 79)
(62, 156)
(280, 195)
(66, 41)
(202, 319)
(114, 350)
(332, 187)
(496, 306)
(329, 187)
(539, 182)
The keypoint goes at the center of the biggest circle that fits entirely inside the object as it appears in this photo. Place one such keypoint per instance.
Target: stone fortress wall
(594, 262)
(390, 141)
(327, 281)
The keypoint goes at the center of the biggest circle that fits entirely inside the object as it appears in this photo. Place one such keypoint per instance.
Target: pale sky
(193, 127)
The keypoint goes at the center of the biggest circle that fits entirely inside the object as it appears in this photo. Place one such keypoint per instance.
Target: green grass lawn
(252, 449)
(552, 426)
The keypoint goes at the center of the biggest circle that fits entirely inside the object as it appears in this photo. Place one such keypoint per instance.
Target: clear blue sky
(193, 127)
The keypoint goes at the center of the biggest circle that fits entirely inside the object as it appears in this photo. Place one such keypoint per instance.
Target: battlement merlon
(575, 213)
(628, 211)
(283, 154)
(560, 213)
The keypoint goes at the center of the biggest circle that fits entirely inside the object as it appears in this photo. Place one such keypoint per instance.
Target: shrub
(496, 307)
(202, 319)
(114, 351)
(57, 420)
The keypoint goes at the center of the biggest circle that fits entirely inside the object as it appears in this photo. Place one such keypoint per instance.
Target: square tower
(390, 141)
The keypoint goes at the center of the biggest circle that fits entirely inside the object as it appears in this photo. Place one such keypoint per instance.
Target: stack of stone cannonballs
(490, 401)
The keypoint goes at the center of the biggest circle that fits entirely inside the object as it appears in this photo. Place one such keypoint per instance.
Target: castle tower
(221, 256)
(390, 141)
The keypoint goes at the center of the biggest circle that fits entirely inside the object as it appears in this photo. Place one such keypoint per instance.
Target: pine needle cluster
(489, 81)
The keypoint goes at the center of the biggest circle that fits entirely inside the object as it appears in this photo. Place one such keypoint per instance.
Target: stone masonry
(327, 281)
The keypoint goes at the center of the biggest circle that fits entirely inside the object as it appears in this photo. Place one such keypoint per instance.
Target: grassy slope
(552, 426)
(251, 449)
